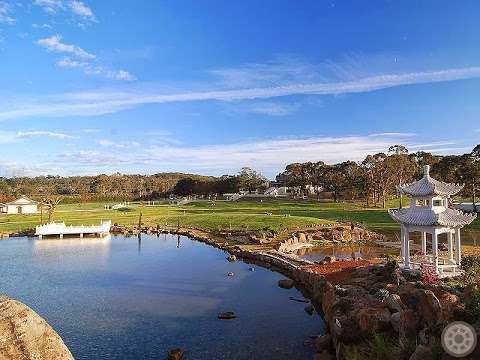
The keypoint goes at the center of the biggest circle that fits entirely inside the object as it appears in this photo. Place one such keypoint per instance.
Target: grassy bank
(251, 215)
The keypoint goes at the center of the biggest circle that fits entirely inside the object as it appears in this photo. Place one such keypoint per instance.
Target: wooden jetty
(60, 229)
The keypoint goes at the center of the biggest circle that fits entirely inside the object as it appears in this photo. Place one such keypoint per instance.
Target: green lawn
(243, 215)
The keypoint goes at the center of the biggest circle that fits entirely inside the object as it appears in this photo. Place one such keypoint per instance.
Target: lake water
(125, 298)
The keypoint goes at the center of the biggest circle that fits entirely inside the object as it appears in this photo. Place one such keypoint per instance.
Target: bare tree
(51, 202)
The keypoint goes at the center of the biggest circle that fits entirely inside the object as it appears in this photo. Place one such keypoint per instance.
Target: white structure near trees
(22, 205)
(430, 215)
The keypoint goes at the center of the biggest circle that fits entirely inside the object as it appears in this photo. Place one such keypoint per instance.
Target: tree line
(119, 187)
(373, 180)
(376, 177)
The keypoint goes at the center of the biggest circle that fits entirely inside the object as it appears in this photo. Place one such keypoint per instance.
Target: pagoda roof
(427, 217)
(428, 186)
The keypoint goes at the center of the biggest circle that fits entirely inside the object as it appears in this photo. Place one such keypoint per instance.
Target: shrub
(471, 266)
(471, 263)
(472, 305)
(380, 348)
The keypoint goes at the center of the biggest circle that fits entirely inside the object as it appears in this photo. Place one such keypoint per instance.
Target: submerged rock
(25, 335)
(227, 315)
(176, 354)
(285, 283)
(299, 300)
(309, 309)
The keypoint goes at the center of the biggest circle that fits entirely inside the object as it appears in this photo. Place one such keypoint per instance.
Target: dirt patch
(336, 272)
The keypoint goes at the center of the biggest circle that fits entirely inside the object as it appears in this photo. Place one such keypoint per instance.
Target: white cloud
(49, 6)
(5, 13)
(118, 144)
(95, 70)
(41, 26)
(267, 108)
(79, 8)
(41, 133)
(121, 75)
(54, 43)
(267, 155)
(69, 63)
(92, 158)
(97, 102)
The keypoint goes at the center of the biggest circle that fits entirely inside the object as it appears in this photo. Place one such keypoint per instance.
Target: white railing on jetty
(61, 229)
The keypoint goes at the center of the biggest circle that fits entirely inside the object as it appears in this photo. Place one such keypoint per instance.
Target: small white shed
(22, 205)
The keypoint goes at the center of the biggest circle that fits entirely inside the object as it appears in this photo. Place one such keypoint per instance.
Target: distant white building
(276, 191)
(22, 205)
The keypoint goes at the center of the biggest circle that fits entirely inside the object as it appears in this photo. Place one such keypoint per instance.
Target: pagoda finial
(426, 171)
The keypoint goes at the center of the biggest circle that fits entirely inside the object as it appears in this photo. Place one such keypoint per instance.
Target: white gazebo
(429, 213)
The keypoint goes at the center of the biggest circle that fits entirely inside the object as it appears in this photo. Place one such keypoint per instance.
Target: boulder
(422, 352)
(394, 303)
(323, 343)
(302, 238)
(176, 354)
(329, 259)
(408, 323)
(395, 321)
(429, 307)
(232, 258)
(25, 335)
(324, 355)
(285, 283)
(371, 320)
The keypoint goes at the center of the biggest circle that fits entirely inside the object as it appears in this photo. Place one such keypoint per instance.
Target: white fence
(62, 229)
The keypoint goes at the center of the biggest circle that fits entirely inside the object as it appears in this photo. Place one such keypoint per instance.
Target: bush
(471, 263)
(472, 305)
(380, 348)
(471, 266)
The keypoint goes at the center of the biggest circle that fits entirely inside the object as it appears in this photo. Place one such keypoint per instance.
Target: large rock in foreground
(25, 335)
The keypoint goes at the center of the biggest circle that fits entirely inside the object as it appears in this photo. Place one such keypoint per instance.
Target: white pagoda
(429, 213)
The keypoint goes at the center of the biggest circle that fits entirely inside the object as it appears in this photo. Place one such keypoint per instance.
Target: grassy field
(250, 215)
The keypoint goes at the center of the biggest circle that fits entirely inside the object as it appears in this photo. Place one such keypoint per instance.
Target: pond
(130, 298)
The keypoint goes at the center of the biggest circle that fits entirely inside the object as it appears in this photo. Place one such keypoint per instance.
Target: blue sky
(90, 87)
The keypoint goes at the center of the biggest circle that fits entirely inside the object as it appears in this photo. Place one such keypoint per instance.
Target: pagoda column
(435, 249)
(406, 242)
(402, 240)
(450, 246)
(424, 243)
(458, 252)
